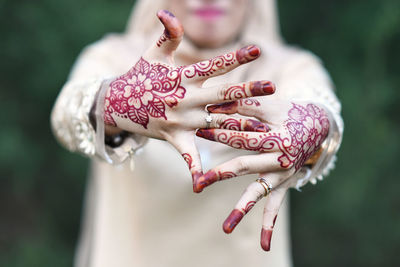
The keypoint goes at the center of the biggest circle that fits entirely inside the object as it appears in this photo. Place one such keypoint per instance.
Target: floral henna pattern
(143, 92)
(307, 128)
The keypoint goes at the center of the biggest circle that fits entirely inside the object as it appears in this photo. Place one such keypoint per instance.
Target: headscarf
(262, 26)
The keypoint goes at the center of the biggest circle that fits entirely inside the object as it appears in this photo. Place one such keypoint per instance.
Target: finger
(253, 193)
(271, 208)
(221, 64)
(253, 141)
(229, 92)
(186, 146)
(223, 121)
(172, 35)
(245, 107)
(239, 166)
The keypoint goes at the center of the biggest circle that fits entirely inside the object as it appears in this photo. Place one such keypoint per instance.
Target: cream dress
(150, 216)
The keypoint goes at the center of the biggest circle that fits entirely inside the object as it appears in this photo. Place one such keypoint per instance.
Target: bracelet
(314, 158)
(115, 140)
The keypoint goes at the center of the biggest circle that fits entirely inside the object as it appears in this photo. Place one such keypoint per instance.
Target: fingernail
(224, 107)
(233, 219)
(266, 235)
(256, 126)
(169, 13)
(268, 87)
(195, 177)
(205, 180)
(248, 53)
(260, 88)
(253, 50)
(206, 133)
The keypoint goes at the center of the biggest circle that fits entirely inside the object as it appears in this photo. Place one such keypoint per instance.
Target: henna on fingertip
(265, 241)
(211, 177)
(173, 27)
(257, 88)
(232, 221)
(266, 235)
(193, 170)
(247, 54)
(208, 134)
(236, 216)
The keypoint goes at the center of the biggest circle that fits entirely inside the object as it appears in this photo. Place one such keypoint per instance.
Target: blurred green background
(350, 219)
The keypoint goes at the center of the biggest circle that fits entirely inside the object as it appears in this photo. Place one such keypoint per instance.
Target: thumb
(172, 35)
(187, 148)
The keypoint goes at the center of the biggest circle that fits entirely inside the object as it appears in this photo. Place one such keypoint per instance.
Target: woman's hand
(297, 131)
(157, 99)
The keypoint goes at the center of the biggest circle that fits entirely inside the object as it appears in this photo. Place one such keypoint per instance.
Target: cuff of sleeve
(326, 161)
(131, 144)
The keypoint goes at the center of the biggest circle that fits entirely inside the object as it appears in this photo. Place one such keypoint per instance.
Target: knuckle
(218, 121)
(242, 166)
(172, 122)
(221, 93)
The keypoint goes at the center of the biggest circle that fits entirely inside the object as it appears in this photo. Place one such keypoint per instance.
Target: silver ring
(208, 119)
(267, 186)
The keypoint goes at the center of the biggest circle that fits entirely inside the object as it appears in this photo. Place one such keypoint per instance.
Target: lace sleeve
(307, 80)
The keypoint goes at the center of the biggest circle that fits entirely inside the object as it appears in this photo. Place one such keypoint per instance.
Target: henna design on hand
(244, 125)
(307, 128)
(163, 38)
(265, 240)
(144, 90)
(256, 89)
(232, 107)
(249, 53)
(142, 93)
(237, 215)
(266, 235)
(249, 102)
(192, 168)
(209, 67)
(169, 32)
(188, 160)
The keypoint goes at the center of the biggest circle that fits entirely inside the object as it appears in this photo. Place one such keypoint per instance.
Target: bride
(215, 95)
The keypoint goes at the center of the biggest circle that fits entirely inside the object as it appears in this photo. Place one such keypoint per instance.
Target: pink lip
(209, 13)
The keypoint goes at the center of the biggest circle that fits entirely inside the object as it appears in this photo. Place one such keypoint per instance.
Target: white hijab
(262, 26)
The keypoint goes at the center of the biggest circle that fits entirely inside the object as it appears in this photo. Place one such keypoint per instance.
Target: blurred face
(210, 23)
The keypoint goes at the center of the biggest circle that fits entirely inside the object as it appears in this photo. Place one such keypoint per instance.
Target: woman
(148, 216)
